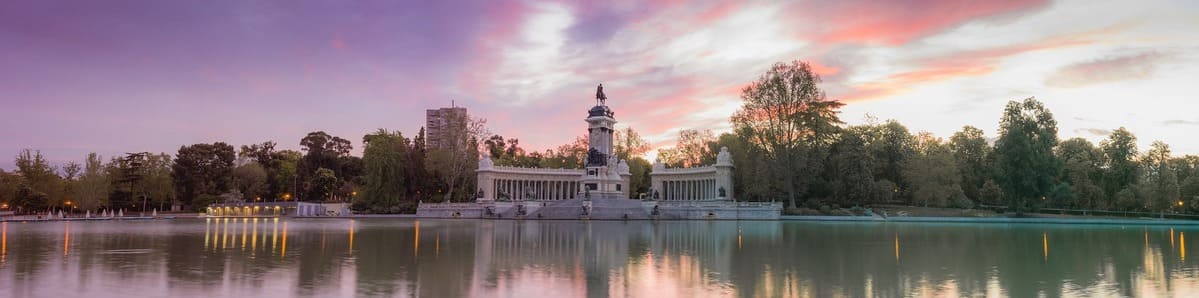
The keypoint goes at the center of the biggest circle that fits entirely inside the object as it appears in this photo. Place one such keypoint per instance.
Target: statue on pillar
(600, 98)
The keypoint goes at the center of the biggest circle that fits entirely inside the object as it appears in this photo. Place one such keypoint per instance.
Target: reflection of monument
(601, 189)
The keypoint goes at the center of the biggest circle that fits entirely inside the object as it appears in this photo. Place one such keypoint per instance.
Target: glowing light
(351, 235)
(896, 247)
(1182, 245)
(283, 250)
(66, 240)
(416, 240)
(3, 241)
(1045, 245)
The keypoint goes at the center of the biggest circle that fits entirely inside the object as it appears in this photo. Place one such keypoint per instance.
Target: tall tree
(42, 187)
(93, 184)
(1120, 153)
(324, 183)
(250, 179)
(386, 159)
(849, 169)
(788, 117)
(1026, 164)
(933, 174)
(1161, 189)
(1082, 168)
(628, 144)
(970, 150)
(891, 145)
(202, 169)
(322, 150)
(692, 150)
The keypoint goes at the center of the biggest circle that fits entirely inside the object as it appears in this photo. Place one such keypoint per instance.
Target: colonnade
(689, 189)
(535, 190)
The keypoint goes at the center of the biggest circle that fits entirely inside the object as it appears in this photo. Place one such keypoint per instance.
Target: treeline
(789, 144)
(394, 173)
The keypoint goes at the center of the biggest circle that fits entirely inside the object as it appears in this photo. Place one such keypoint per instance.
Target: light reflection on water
(446, 258)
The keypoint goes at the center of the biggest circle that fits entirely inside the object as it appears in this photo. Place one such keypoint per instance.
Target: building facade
(439, 123)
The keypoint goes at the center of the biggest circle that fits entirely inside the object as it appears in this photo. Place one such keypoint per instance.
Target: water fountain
(155, 213)
(121, 213)
(88, 215)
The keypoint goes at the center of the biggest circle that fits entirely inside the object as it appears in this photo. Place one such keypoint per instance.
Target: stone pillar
(724, 173)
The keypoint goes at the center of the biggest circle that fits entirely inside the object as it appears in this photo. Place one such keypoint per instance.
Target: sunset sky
(124, 76)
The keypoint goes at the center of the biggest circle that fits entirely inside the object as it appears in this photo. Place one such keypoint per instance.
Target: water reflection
(445, 258)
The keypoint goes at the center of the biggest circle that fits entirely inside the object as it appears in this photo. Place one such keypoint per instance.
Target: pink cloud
(1107, 69)
(957, 65)
(894, 22)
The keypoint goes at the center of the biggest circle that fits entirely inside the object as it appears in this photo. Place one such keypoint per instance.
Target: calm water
(447, 258)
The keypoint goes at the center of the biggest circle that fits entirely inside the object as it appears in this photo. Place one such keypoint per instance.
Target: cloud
(951, 66)
(1093, 131)
(1107, 70)
(1180, 122)
(894, 23)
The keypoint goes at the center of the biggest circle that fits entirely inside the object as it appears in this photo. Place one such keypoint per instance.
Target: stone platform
(605, 209)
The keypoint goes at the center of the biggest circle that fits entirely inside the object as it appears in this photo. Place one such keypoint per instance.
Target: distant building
(440, 122)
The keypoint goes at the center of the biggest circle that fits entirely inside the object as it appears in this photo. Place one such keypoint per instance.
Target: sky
(144, 75)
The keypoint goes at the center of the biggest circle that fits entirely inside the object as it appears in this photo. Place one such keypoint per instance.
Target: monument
(600, 190)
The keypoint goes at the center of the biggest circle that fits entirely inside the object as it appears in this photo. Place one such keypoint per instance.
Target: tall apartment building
(438, 122)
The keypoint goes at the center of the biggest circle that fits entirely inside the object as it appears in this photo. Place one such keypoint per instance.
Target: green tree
(639, 180)
(286, 179)
(892, 146)
(788, 117)
(323, 184)
(93, 184)
(1162, 189)
(849, 169)
(933, 173)
(970, 150)
(250, 179)
(385, 156)
(1082, 168)
(1120, 153)
(157, 183)
(201, 169)
(45, 187)
(1025, 161)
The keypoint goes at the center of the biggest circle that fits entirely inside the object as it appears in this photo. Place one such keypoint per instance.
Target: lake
(508, 258)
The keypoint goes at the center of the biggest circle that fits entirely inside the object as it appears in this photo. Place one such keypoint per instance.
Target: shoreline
(784, 218)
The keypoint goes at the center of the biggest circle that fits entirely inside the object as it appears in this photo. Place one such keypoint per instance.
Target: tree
(286, 179)
(330, 152)
(202, 169)
(1162, 189)
(933, 173)
(628, 144)
(250, 179)
(970, 150)
(1120, 152)
(891, 146)
(1082, 169)
(44, 186)
(457, 158)
(692, 150)
(157, 183)
(93, 184)
(788, 117)
(1026, 164)
(639, 180)
(386, 159)
(324, 182)
(849, 169)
